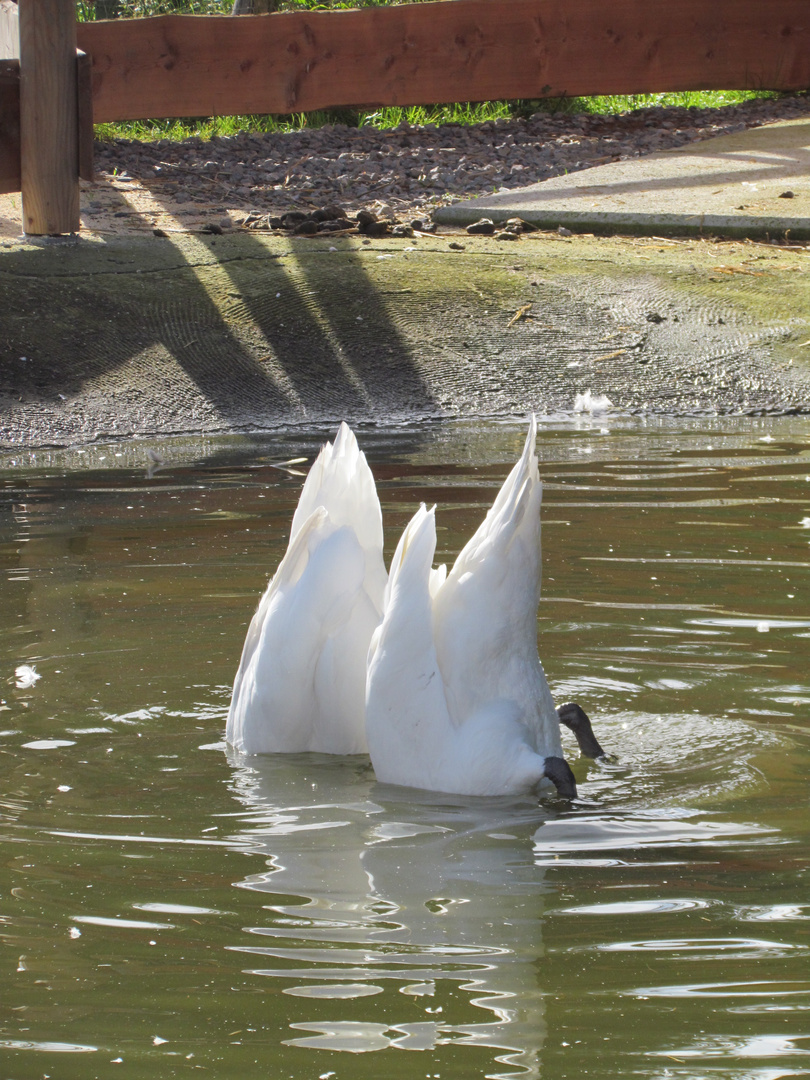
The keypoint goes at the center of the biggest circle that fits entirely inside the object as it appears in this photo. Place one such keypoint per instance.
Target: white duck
(301, 680)
(456, 697)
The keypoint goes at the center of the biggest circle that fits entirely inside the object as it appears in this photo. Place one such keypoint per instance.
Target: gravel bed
(409, 170)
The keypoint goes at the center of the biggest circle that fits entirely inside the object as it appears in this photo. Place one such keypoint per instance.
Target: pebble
(405, 172)
(483, 227)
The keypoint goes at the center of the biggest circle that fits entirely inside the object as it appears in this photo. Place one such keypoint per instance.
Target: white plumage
(301, 680)
(456, 697)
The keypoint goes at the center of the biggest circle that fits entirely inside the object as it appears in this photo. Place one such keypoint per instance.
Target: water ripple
(334, 991)
(635, 907)
(774, 913)
(708, 948)
(755, 989)
(746, 1046)
(47, 1047)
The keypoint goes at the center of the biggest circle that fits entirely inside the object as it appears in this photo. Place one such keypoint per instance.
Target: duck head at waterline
(435, 674)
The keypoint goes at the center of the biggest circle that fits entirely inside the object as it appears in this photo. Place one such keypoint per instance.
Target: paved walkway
(755, 183)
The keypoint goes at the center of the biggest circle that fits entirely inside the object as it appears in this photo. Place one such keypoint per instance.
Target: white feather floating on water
(26, 676)
(592, 403)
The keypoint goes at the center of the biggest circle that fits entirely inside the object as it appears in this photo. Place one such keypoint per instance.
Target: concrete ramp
(754, 184)
(156, 336)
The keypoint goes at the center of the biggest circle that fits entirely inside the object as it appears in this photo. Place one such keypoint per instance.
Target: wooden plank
(84, 105)
(9, 97)
(48, 117)
(10, 178)
(464, 50)
(9, 31)
(9, 126)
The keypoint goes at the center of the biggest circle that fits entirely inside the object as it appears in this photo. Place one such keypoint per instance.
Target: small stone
(455, 247)
(402, 230)
(211, 228)
(519, 225)
(333, 226)
(563, 231)
(327, 213)
(292, 219)
(370, 225)
(378, 228)
(507, 234)
(483, 227)
(306, 228)
(159, 232)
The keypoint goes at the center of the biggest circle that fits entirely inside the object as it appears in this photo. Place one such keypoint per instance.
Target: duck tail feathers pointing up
(341, 480)
(519, 495)
(416, 545)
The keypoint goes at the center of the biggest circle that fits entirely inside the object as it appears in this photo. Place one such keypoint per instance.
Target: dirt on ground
(403, 172)
(113, 207)
(155, 335)
(183, 307)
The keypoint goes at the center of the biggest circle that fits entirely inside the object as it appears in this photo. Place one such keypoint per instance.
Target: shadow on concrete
(208, 333)
(717, 168)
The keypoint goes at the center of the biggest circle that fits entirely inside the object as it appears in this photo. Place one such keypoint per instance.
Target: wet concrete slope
(145, 336)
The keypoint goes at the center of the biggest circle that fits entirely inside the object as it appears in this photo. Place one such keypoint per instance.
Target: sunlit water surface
(168, 907)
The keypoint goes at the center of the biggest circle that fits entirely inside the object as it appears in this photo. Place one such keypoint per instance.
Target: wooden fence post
(48, 117)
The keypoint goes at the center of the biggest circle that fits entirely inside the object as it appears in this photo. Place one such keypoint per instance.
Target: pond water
(167, 907)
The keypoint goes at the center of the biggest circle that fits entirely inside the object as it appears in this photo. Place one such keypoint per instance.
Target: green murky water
(167, 908)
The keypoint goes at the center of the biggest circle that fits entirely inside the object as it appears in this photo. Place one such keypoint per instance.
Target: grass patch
(458, 113)
(685, 99)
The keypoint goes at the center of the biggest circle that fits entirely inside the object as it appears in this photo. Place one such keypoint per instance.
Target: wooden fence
(455, 50)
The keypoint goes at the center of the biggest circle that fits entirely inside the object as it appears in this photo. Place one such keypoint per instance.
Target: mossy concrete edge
(139, 337)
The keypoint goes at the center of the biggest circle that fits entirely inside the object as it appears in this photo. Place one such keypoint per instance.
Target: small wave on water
(376, 892)
(291, 915)
(683, 759)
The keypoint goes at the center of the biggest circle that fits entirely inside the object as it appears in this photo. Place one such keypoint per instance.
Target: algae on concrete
(154, 336)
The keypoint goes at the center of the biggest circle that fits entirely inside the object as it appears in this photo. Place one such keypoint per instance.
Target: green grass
(707, 99)
(88, 10)
(458, 113)
(467, 113)
(205, 128)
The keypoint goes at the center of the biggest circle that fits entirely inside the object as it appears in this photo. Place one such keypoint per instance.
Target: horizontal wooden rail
(457, 50)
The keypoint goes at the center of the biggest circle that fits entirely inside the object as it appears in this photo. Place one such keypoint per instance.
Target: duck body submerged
(301, 680)
(456, 696)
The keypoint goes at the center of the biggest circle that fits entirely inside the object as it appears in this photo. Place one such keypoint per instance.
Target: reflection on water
(399, 888)
(168, 906)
